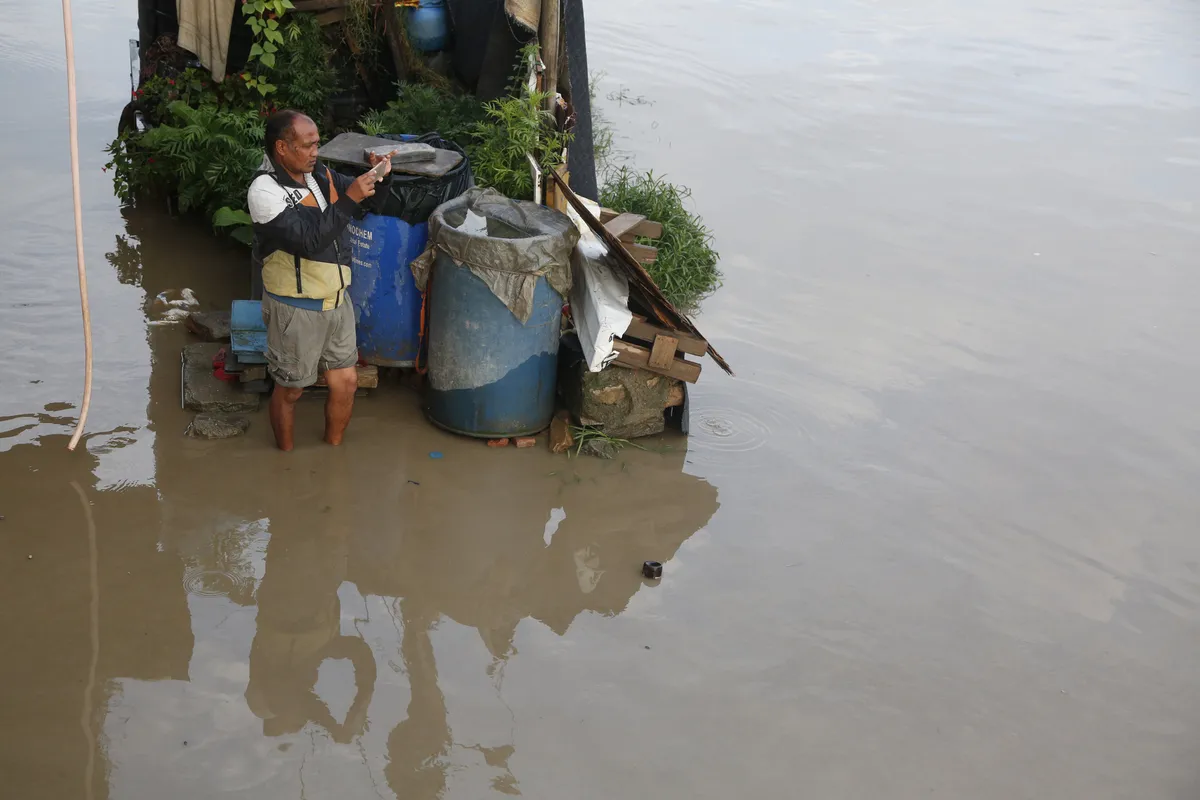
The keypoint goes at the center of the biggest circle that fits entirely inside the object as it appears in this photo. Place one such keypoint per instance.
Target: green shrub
(686, 268)
(496, 135)
(206, 158)
(236, 222)
(304, 72)
(515, 126)
(422, 109)
(193, 87)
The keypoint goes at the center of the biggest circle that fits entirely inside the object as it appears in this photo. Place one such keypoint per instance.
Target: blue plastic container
(248, 332)
(387, 303)
(489, 375)
(428, 27)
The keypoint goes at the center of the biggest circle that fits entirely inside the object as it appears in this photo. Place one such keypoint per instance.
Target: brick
(560, 433)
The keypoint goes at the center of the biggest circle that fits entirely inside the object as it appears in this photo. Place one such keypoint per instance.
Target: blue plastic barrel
(489, 375)
(387, 302)
(428, 29)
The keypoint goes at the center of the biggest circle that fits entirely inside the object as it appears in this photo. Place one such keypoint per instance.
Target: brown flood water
(938, 538)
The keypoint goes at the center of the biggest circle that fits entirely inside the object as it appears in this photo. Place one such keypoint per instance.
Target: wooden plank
(560, 200)
(638, 357)
(647, 228)
(641, 253)
(319, 5)
(253, 373)
(322, 393)
(662, 354)
(331, 17)
(368, 377)
(358, 62)
(639, 328)
(551, 41)
(393, 27)
(624, 224)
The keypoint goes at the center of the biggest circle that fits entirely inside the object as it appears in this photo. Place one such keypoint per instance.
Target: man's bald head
(292, 140)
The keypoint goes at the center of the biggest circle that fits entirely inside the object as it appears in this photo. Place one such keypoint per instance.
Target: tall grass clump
(686, 268)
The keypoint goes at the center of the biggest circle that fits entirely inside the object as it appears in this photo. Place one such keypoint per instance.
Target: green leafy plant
(236, 221)
(419, 108)
(497, 135)
(306, 78)
(206, 158)
(263, 17)
(687, 265)
(194, 87)
(133, 171)
(513, 127)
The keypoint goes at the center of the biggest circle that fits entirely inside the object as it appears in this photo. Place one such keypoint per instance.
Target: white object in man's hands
(379, 169)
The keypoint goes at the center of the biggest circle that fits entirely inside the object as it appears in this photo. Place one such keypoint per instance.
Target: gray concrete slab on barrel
(348, 148)
(204, 392)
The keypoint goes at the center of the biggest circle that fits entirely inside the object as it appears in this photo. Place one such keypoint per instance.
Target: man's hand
(374, 158)
(362, 188)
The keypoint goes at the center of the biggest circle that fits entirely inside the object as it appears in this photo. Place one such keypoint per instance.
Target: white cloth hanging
(204, 27)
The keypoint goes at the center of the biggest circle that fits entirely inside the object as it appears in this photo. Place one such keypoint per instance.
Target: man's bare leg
(283, 415)
(343, 383)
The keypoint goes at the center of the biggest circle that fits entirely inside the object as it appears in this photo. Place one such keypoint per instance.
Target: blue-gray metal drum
(489, 375)
(387, 303)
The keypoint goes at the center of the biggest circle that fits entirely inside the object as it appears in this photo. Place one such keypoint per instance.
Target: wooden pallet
(627, 227)
(657, 349)
(368, 377)
(642, 288)
(638, 357)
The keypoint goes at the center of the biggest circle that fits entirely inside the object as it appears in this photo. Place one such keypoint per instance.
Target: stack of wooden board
(644, 294)
(657, 349)
(627, 227)
(648, 346)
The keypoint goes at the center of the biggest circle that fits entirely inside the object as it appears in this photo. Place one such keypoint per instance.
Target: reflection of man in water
(419, 745)
(299, 627)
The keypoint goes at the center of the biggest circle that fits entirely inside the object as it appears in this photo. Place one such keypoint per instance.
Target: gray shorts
(301, 343)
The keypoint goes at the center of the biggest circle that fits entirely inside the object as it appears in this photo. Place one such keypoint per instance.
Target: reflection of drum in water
(483, 547)
(501, 540)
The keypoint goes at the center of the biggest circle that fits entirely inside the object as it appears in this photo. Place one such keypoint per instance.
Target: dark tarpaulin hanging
(488, 35)
(581, 158)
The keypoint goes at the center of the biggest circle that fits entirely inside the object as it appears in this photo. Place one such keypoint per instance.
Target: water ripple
(216, 583)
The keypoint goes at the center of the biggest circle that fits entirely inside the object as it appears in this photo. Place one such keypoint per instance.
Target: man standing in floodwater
(301, 243)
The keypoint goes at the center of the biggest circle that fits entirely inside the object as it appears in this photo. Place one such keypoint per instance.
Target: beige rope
(89, 707)
(83, 298)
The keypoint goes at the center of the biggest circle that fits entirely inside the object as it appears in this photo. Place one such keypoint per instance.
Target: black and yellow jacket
(301, 241)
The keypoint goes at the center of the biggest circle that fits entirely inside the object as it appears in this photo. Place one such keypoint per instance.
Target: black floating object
(652, 570)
